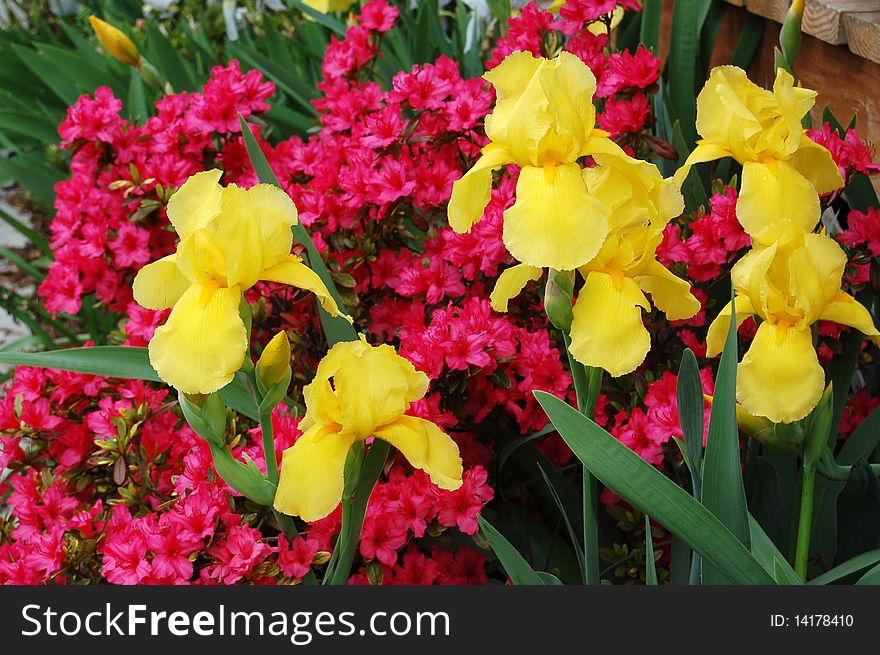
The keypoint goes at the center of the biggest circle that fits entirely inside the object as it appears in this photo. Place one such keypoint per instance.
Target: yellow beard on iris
(372, 387)
(784, 171)
(230, 238)
(789, 285)
(607, 329)
(543, 121)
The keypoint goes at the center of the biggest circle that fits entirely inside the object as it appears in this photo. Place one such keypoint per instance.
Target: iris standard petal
(607, 329)
(372, 389)
(815, 163)
(254, 230)
(815, 273)
(780, 376)
(471, 192)
(160, 284)
(312, 473)
(426, 447)
(196, 203)
(322, 405)
(510, 283)
(668, 292)
(772, 192)
(510, 78)
(720, 326)
(203, 342)
(292, 271)
(554, 222)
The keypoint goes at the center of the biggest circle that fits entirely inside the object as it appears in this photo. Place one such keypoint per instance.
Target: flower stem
(354, 511)
(269, 447)
(587, 383)
(805, 520)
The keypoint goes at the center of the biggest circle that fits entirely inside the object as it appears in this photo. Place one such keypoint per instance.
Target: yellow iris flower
(230, 238)
(371, 388)
(784, 171)
(607, 329)
(790, 285)
(544, 121)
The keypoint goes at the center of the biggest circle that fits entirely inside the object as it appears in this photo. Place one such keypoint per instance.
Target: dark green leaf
(623, 471)
(650, 563)
(749, 42)
(854, 565)
(689, 397)
(723, 492)
(517, 568)
(650, 28)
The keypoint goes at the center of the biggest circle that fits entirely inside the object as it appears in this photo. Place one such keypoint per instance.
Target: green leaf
(749, 42)
(768, 555)
(29, 233)
(723, 491)
(682, 63)
(335, 328)
(572, 534)
(692, 188)
(548, 578)
(863, 441)
(137, 101)
(124, 362)
(872, 577)
(517, 568)
(163, 55)
(623, 471)
(22, 264)
(689, 397)
(650, 563)
(34, 173)
(319, 17)
(649, 33)
(854, 565)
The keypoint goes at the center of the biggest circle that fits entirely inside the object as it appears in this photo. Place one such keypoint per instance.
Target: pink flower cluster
(109, 217)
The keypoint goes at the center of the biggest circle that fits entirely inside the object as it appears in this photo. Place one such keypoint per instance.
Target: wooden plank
(863, 34)
(736, 3)
(772, 9)
(824, 18)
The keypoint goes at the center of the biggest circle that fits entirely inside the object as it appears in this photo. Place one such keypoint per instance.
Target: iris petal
(554, 222)
(160, 284)
(196, 203)
(607, 329)
(780, 376)
(293, 272)
(426, 447)
(471, 193)
(773, 192)
(312, 473)
(510, 283)
(203, 342)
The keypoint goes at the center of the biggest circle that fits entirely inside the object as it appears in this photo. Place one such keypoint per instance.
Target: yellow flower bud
(275, 361)
(116, 42)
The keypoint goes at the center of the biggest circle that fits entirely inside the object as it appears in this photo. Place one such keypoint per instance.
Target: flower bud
(557, 298)
(273, 372)
(790, 35)
(274, 363)
(116, 42)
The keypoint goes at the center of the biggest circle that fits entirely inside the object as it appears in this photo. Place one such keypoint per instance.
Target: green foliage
(653, 493)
